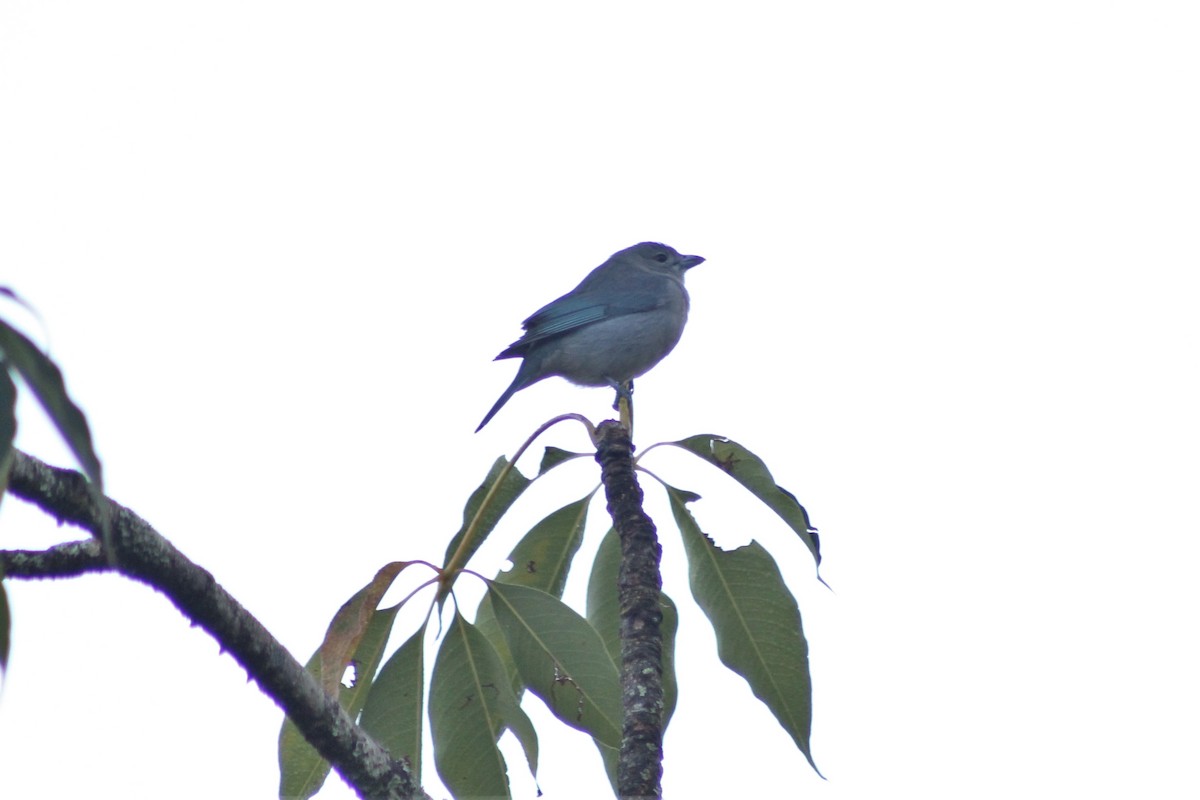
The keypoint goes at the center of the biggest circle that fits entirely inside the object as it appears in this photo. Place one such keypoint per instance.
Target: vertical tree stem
(639, 770)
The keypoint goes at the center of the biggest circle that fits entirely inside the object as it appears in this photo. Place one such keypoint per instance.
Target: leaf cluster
(524, 638)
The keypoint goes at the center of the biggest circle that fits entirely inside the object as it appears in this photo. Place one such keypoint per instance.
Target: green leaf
(5, 625)
(611, 756)
(603, 607)
(46, 381)
(302, 770)
(393, 712)
(487, 624)
(604, 615)
(670, 627)
(561, 659)
(554, 456)
(8, 425)
(470, 705)
(479, 520)
(756, 621)
(541, 560)
(750, 471)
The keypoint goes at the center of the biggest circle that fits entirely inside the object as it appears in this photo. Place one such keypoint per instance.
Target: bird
(621, 320)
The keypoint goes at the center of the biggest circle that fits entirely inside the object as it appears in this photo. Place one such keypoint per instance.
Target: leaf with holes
(750, 471)
(755, 619)
(302, 770)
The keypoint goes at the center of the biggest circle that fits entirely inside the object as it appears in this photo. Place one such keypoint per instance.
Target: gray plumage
(620, 321)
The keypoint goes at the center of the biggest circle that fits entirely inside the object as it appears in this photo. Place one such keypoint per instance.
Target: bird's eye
(661, 258)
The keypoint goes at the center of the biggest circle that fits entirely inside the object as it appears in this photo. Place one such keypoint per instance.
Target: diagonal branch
(639, 769)
(141, 553)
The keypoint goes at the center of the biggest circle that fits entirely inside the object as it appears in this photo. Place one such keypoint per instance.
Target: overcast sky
(949, 297)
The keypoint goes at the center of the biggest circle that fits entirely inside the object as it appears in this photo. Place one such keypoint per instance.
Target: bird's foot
(624, 390)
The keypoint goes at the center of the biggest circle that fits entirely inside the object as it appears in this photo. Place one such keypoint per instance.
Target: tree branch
(639, 769)
(141, 553)
(67, 560)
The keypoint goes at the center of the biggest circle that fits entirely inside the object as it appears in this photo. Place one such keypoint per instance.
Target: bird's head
(658, 257)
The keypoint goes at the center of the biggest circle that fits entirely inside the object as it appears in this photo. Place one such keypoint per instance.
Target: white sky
(950, 298)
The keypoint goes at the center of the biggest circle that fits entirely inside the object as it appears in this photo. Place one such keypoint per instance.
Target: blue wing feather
(577, 310)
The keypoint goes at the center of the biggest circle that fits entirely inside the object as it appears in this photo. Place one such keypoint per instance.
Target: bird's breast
(620, 348)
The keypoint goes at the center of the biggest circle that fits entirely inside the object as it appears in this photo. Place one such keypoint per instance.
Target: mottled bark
(639, 770)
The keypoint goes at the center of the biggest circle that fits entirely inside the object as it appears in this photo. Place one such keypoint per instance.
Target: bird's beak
(691, 261)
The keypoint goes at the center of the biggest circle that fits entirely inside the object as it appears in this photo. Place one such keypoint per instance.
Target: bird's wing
(574, 311)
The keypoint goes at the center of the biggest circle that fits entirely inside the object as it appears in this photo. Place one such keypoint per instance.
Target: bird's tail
(513, 388)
